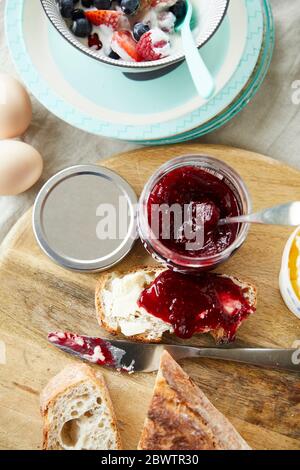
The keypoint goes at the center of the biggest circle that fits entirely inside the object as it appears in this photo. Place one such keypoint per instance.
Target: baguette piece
(181, 417)
(77, 412)
(117, 311)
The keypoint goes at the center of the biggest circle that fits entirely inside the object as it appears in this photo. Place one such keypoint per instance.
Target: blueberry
(77, 13)
(66, 7)
(102, 4)
(179, 9)
(114, 55)
(81, 28)
(139, 29)
(130, 6)
(87, 3)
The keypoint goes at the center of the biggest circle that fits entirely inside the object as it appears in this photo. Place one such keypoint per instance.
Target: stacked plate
(154, 109)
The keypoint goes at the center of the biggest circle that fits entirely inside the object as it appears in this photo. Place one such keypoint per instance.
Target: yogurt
(155, 14)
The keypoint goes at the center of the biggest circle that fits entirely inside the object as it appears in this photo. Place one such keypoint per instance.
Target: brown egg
(15, 108)
(20, 167)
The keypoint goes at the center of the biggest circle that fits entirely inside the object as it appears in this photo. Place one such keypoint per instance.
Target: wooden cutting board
(37, 296)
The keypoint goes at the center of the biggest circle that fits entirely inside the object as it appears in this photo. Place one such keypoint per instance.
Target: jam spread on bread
(197, 304)
(202, 196)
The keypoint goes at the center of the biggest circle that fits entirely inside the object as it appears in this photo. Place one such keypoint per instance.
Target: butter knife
(141, 357)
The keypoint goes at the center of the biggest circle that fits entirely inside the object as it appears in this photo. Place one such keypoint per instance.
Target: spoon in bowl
(200, 74)
(284, 214)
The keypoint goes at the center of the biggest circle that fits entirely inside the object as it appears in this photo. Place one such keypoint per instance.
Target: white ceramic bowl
(209, 12)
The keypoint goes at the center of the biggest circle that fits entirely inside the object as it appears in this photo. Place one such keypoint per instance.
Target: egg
(15, 108)
(20, 167)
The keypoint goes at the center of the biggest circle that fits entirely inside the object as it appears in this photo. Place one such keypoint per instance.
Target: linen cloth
(270, 124)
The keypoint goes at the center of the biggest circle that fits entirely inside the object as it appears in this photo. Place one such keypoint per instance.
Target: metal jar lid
(84, 218)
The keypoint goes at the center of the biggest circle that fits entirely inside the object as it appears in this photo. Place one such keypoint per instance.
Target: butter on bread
(181, 417)
(117, 311)
(116, 305)
(77, 412)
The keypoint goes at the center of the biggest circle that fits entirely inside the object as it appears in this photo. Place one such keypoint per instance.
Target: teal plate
(101, 94)
(244, 97)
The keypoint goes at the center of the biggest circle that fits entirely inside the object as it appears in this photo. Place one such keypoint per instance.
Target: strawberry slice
(125, 46)
(153, 45)
(163, 3)
(108, 18)
(145, 5)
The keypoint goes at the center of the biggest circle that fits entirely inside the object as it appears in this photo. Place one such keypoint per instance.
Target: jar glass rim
(203, 161)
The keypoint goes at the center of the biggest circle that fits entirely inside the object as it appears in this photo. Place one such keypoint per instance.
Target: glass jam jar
(190, 182)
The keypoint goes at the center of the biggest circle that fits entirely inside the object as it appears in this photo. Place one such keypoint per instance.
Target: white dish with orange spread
(289, 279)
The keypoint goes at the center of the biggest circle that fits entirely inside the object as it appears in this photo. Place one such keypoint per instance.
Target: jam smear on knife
(95, 350)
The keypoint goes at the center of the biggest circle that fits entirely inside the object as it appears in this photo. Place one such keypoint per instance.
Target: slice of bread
(77, 412)
(181, 417)
(117, 311)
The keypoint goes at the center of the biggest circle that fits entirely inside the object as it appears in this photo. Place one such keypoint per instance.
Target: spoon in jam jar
(284, 214)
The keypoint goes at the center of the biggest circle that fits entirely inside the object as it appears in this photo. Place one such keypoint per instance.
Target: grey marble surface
(270, 124)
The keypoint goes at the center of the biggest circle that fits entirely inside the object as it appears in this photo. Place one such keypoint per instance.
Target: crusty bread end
(181, 417)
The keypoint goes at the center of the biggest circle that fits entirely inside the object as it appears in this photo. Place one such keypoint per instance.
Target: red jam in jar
(180, 209)
(208, 302)
(194, 189)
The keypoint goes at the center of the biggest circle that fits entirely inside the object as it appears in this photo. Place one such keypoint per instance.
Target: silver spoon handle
(283, 359)
(285, 214)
